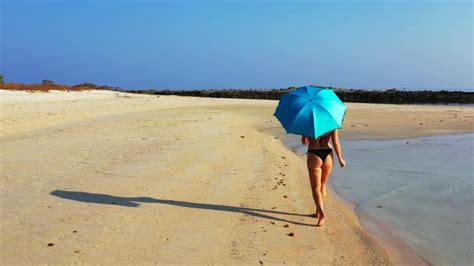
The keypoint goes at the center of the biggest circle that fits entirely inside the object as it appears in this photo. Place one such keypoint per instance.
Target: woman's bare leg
(313, 192)
(315, 171)
(327, 169)
(311, 164)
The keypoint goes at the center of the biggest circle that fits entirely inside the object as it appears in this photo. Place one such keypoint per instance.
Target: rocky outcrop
(392, 96)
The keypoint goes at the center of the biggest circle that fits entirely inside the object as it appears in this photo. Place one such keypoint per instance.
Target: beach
(108, 177)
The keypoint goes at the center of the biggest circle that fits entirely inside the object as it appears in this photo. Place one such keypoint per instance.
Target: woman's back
(322, 142)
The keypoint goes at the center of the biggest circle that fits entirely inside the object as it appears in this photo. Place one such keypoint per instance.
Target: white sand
(119, 178)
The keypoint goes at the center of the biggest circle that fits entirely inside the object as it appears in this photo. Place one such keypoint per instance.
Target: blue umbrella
(310, 111)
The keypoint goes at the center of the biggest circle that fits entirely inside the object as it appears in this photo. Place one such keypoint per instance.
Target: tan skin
(320, 171)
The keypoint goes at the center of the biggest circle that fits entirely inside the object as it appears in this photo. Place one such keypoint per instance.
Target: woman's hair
(325, 134)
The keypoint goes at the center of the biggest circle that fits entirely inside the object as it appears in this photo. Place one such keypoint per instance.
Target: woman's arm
(337, 147)
(304, 140)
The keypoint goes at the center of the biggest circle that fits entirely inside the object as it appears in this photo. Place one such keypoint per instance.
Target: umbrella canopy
(310, 111)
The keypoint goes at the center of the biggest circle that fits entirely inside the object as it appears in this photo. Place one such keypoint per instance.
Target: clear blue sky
(239, 44)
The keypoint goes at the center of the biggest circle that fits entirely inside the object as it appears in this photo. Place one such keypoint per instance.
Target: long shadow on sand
(135, 202)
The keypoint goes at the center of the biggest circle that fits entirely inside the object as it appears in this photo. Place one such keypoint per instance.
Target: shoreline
(400, 252)
(396, 181)
(399, 249)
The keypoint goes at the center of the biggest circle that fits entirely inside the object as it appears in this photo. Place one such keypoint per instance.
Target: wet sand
(106, 177)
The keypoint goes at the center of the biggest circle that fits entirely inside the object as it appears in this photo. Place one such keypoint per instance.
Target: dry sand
(105, 177)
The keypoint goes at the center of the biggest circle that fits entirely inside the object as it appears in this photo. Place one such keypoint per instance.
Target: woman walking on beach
(320, 162)
(316, 113)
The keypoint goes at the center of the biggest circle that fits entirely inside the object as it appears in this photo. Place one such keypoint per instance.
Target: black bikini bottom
(321, 153)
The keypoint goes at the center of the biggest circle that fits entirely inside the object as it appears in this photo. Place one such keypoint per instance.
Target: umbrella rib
(314, 120)
(329, 113)
(335, 120)
(299, 112)
(299, 95)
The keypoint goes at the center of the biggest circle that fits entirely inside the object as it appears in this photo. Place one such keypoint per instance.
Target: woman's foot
(321, 219)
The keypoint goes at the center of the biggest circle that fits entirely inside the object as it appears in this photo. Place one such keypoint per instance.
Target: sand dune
(106, 177)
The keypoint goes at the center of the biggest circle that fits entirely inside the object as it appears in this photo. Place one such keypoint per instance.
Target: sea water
(422, 188)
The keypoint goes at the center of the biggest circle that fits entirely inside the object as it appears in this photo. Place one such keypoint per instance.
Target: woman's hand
(304, 140)
(342, 163)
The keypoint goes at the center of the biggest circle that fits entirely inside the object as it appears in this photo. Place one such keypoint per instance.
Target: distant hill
(48, 85)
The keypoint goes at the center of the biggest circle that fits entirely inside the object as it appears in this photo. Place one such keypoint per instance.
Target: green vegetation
(392, 96)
